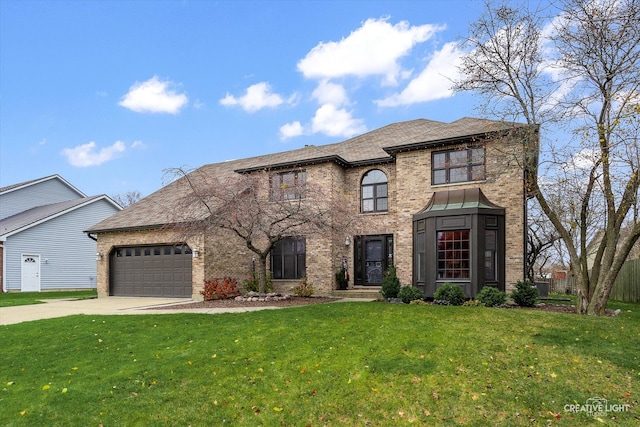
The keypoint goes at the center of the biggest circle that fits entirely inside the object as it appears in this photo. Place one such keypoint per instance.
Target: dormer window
(374, 192)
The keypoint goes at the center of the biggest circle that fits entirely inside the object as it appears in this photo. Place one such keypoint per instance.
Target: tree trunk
(582, 302)
(262, 274)
(598, 302)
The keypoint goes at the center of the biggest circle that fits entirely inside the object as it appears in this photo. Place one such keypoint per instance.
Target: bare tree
(541, 243)
(580, 70)
(259, 210)
(128, 198)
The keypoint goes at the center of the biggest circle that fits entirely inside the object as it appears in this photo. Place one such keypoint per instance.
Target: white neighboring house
(43, 245)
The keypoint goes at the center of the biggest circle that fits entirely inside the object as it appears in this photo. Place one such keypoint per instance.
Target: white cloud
(87, 155)
(138, 144)
(334, 121)
(330, 93)
(257, 97)
(291, 130)
(154, 96)
(584, 159)
(434, 82)
(372, 50)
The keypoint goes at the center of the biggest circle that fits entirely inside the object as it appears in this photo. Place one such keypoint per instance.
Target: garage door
(151, 271)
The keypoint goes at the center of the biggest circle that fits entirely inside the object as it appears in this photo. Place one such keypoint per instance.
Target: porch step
(366, 293)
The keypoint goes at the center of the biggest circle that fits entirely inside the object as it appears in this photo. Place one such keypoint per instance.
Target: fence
(626, 288)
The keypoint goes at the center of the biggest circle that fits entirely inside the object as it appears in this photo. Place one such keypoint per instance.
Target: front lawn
(9, 299)
(337, 364)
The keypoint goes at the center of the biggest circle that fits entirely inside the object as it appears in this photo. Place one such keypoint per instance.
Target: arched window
(374, 193)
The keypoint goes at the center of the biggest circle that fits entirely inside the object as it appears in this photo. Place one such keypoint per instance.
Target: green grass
(10, 299)
(339, 364)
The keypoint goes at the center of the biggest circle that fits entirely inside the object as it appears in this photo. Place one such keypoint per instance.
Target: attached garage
(151, 271)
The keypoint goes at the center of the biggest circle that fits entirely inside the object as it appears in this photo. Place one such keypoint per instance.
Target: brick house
(442, 202)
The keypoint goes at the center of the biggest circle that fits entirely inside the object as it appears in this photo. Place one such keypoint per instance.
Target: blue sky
(108, 94)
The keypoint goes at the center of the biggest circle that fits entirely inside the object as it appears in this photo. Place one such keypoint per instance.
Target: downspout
(3, 288)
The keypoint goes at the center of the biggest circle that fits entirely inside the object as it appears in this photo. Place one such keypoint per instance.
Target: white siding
(40, 194)
(67, 255)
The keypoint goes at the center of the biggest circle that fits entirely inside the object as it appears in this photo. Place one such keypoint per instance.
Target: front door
(30, 273)
(373, 255)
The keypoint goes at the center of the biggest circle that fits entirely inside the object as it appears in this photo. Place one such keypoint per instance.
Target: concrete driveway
(108, 305)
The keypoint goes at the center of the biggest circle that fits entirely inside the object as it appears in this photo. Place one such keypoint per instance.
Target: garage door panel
(151, 271)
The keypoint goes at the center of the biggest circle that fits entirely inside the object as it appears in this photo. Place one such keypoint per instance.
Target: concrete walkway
(109, 305)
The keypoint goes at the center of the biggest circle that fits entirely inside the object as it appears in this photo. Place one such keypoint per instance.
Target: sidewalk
(110, 305)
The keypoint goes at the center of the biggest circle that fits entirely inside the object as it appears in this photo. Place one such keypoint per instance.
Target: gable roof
(34, 216)
(374, 147)
(20, 185)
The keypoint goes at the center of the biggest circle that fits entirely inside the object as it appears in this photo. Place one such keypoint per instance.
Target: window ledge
(374, 213)
(458, 184)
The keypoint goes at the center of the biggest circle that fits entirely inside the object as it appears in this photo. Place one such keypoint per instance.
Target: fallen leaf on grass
(275, 408)
(64, 390)
(46, 387)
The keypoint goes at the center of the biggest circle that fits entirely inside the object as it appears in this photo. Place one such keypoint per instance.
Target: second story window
(374, 192)
(288, 185)
(453, 166)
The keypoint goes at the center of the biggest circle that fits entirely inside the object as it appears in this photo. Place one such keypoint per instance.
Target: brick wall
(503, 186)
(107, 242)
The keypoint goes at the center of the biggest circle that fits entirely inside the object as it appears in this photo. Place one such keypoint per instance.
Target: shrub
(491, 296)
(224, 288)
(252, 283)
(525, 295)
(342, 278)
(303, 289)
(409, 293)
(390, 284)
(473, 303)
(450, 293)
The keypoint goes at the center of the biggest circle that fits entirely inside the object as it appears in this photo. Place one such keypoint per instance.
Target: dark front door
(373, 255)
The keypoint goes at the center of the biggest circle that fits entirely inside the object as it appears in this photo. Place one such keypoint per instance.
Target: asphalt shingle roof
(372, 147)
(39, 213)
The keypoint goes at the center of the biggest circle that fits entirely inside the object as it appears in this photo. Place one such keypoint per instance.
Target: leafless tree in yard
(573, 70)
(257, 209)
(128, 198)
